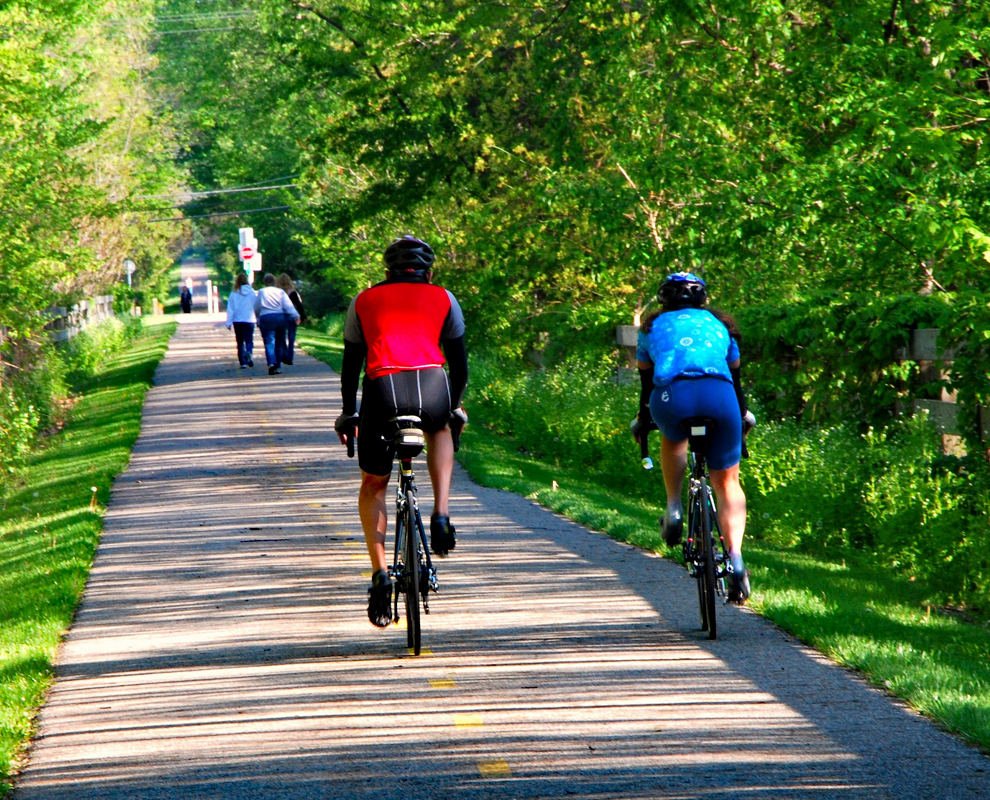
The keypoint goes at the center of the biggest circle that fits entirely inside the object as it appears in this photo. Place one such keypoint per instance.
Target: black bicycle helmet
(682, 290)
(409, 256)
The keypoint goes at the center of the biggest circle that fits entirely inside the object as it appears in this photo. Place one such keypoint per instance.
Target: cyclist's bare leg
(374, 517)
(673, 463)
(731, 506)
(440, 462)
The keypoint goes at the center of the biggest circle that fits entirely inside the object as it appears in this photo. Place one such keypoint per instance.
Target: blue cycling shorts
(701, 397)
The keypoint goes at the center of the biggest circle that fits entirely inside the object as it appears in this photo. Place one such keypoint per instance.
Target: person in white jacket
(274, 310)
(240, 315)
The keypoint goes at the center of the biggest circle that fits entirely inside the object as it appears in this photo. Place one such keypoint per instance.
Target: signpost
(247, 249)
(130, 266)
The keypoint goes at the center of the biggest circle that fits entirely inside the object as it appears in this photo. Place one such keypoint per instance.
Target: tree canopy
(80, 139)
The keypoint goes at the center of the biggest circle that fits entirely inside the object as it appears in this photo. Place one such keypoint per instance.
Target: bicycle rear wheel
(411, 557)
(706, 575)
(692, 551)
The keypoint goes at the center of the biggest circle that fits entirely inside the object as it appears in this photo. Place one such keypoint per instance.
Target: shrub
(888, 493)
(85, 353)
(323, 299)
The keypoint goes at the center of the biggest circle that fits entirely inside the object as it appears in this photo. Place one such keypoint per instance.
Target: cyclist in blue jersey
(688, 359)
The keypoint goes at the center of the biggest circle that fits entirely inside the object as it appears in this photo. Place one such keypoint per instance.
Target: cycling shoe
(672, 526)
(380, 599)
(737, 586)
(442, 539)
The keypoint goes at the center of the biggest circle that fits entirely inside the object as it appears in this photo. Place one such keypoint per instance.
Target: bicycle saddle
(697, 430)
(409, 438)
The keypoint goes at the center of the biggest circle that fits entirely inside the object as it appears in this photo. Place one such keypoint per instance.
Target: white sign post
(247, 250)
(130, 266)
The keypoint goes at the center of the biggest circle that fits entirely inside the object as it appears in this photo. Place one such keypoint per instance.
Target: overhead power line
(222, 214)
(197, 30)
(217, 191)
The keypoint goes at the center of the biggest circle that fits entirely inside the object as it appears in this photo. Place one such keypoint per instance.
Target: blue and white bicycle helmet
(682, 290)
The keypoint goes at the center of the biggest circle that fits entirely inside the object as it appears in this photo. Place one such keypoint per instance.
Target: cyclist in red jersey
(402, 331)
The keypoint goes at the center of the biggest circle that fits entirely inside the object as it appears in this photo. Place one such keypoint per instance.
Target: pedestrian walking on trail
(689, 366)
(185, 299)
(240, 315)
(274, 310)
(285, 283)
(402, 331)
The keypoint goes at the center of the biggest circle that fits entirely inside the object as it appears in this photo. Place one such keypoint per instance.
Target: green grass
(856, 613)
(874, 620)
(324, 341)
(48, 532)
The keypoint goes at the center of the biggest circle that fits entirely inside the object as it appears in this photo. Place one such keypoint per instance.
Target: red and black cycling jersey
(402, 323)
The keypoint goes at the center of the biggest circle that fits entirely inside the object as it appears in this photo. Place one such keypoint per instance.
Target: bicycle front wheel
(706, 575)
(411, 557)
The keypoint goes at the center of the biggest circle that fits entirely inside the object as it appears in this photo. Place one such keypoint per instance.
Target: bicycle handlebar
(644, 447)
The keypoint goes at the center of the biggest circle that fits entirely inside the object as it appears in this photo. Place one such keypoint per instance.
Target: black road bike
(705, 554)
(412, 571)
(704, 548)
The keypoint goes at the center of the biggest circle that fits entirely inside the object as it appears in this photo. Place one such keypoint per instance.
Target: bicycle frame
(412, 568)
(704, 549)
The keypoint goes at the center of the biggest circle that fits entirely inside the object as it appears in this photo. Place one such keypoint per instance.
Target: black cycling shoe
(737, 587)
(442, 539)
(380, 599)
(672, 526)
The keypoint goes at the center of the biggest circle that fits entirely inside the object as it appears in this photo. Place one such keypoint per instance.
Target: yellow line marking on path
(494, 769)
(400, 623)
(353, 544)
(291, 491)
(366, 573)
(424, 652)
(468, 721)
(316, 505)
(444, 683)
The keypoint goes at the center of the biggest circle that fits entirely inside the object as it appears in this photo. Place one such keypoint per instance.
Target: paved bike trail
(222, 648)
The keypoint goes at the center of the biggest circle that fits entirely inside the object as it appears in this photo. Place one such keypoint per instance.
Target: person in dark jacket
(285, 283)
(185, 299)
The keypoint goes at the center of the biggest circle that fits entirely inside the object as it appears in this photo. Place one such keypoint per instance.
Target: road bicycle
(412, 571)
(705, 553)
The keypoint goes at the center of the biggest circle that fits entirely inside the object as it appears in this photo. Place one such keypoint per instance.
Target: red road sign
(246, 252)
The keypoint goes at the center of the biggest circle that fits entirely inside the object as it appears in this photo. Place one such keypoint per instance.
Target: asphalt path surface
(222, 649)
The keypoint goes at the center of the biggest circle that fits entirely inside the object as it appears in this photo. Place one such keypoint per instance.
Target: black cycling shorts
(423, 392)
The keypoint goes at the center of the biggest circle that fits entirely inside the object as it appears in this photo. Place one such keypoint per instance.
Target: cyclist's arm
(456, 355)
(452, 342)
(350, 373)
(645, 389)
(734, 371)
(355, 352)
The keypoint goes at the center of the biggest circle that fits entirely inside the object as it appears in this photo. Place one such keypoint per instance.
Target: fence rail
(67, 322)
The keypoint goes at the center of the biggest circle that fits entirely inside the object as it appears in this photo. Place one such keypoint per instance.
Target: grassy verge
(49, 530)
(857, 613)
(324, 340)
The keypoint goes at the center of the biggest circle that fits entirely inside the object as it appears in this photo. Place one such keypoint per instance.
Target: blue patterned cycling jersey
(690, 343)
